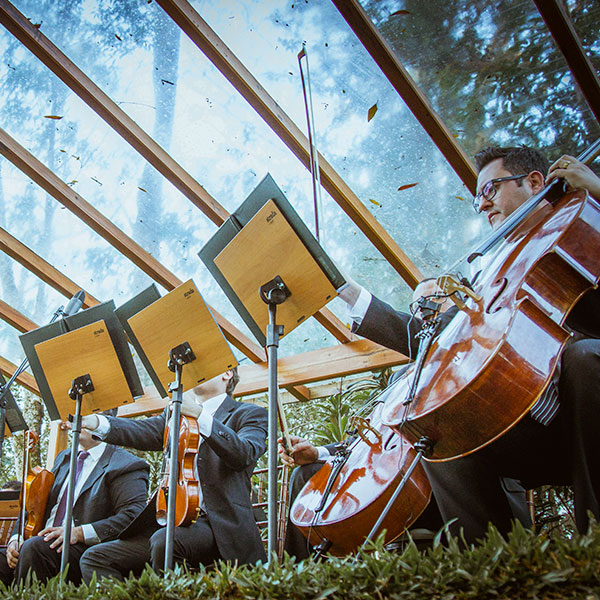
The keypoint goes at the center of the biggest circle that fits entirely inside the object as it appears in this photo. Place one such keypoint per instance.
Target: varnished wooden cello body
(375, 464)
(37, 483)
(492, 362)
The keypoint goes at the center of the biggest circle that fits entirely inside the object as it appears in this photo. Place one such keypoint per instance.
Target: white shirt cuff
(103, 427)
(324, 454)
(205, 423)
(90, 537)
(358, 310)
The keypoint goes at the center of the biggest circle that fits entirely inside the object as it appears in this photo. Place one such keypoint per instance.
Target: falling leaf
(37, 25)
(372, 112)
(163, 81)
(61, 150)
(118, 37)
(72, 182)
(455, 135)
(461, 199)
(52, 117)
(142, 189)
(94, 179)
(407, 186)
(400, 12)
(374, 202)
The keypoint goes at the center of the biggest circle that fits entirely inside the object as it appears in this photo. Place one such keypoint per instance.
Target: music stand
(142, 300)
(101, 312)
(89, 369)
(177, 330)
(287, 268)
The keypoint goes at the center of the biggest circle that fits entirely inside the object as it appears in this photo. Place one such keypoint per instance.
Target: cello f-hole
(490, 308)
(387, 445)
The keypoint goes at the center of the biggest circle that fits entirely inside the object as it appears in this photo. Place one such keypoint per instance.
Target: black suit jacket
(393, 329)
(226, 460)
(111, 497)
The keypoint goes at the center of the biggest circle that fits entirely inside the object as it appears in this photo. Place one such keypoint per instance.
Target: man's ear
(536, 181)
(227, 375)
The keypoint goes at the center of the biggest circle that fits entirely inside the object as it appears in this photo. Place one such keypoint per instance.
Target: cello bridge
(362, 426)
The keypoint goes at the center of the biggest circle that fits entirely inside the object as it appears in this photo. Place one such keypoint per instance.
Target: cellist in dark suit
(110, 492)
(309, 458)
(557, 442)
(233, 437)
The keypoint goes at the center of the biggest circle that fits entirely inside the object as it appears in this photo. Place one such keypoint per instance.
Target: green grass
(524, 566)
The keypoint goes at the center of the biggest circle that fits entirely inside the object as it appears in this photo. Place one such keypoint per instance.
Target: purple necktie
(62, 507)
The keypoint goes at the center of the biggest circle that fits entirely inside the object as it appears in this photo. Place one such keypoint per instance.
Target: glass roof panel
(159, 78)
(585, 15)
(491, 70)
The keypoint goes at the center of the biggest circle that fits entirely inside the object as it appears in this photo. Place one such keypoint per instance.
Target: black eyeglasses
(489, 190)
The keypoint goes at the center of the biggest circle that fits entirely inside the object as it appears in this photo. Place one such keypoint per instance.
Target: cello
(37, 483)
(340, 504)
(489, 366)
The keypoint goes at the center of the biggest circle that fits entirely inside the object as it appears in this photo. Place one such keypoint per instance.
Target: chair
(259, 503)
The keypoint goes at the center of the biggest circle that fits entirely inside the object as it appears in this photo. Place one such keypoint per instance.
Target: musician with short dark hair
(558, 441)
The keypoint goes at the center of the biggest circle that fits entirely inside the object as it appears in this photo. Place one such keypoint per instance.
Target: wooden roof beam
(319, 365)
(41, 268)
(59, 190)
(236, 73)
(561, 27)
(15, 319)
(126, 127)
(24, 379)
(387, 60)
(32, 38)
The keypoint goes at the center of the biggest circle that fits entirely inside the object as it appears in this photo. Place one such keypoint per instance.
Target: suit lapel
(224, 411)
(98, 470)
(60, 475)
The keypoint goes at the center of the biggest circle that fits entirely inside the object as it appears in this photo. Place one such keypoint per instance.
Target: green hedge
(525, 566)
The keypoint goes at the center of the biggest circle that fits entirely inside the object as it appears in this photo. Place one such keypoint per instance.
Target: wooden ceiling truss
(352, 356)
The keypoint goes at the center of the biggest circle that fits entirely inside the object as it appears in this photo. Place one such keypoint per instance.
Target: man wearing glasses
(558, 441)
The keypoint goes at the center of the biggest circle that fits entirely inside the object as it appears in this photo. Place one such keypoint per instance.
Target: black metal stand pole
(273, 333)
(178, 357)
(72, 307)
(177, 395)
(80, 386)
(273, 292)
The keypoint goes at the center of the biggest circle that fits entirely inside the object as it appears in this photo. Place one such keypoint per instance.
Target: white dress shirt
(205, 423)
(90, 536)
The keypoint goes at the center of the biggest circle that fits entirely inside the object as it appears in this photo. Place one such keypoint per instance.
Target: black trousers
(37, 556)
(566, 452)
(194, 545)
(297, 545)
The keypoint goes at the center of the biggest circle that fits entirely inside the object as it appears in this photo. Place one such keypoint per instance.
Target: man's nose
(485, 205)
